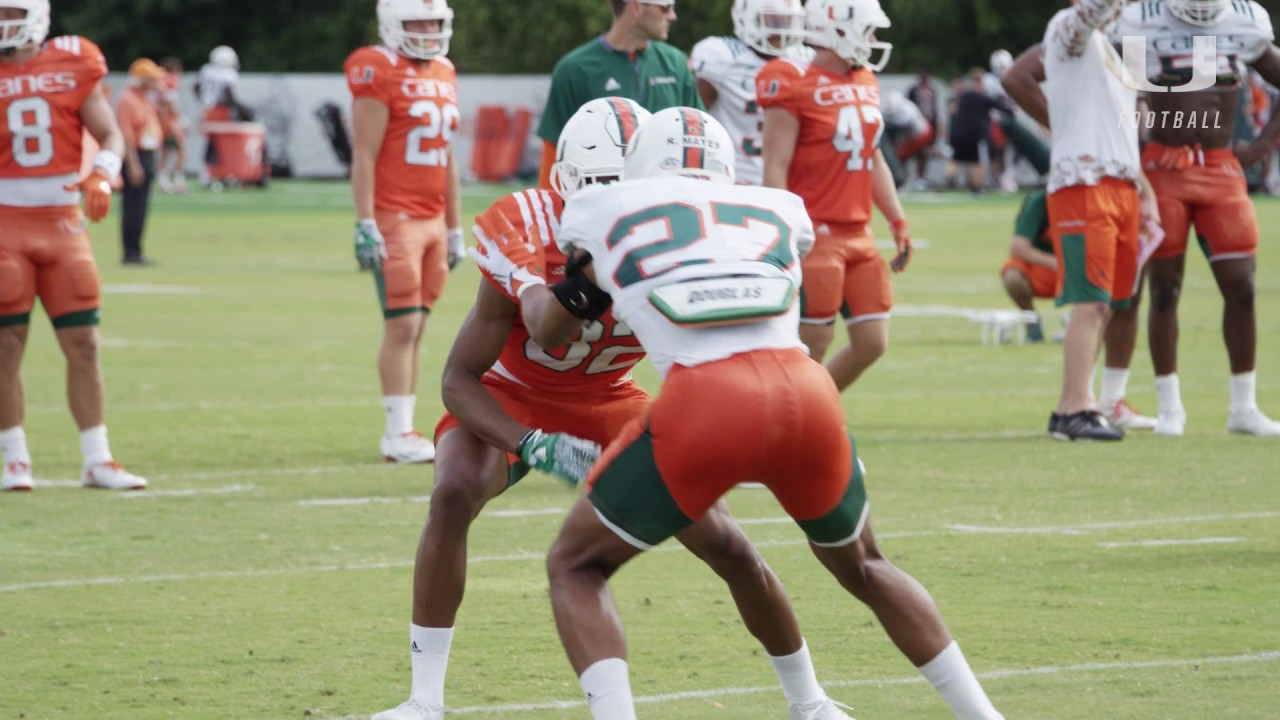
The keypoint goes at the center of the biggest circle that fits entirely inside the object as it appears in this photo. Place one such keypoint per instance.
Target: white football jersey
(1242, 35)
(731, 68)
(716, 245)
(899, 112)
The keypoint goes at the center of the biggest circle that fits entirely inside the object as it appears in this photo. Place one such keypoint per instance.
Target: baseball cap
(145, 68)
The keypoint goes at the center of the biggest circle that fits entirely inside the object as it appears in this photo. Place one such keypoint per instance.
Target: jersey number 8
(30, 122)
(438, 123)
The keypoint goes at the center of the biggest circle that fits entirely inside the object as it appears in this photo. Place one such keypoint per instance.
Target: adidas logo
(413, 647)
(612, 85)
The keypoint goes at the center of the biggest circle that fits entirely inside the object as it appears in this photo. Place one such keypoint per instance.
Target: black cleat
(1085, 425)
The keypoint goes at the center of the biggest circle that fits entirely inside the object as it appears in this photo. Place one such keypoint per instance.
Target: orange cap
(145, 68)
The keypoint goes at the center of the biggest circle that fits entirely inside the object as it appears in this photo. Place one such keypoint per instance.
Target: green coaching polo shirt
(657, 78)
(1033, 221)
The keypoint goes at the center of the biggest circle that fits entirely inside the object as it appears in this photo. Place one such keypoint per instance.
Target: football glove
(565, 456)
(902, 239)
(97, 194)
(457, 247)
(506, 256)
(371, 249)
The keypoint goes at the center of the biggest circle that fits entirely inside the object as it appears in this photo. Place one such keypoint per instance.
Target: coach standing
(630, 60)
(1098, 197)
(143, 132)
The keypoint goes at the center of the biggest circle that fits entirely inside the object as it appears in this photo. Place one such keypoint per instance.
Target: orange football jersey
(40, 101)
(601, 357)
(423, 100)
(840, 129)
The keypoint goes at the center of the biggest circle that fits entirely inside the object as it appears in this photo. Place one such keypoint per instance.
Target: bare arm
(1072, 32)
(708, 93)
(1268, 66)
(548, 322)
(101, 122)
(1022, 249)
(781, 133)
(369, 120)
(1022, 82)
(476, 348)
(884, 193)
(452, 196)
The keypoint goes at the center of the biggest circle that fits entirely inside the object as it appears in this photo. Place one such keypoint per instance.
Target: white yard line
(347, 502)
(1005, 674)
(1086, 528)
(1172, 543)
(188, 492)
(524, 555)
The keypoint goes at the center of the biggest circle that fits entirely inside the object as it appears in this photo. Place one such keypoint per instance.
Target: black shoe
(138, 261)
(1086, 425)
(1055, 426)
(1035, 332)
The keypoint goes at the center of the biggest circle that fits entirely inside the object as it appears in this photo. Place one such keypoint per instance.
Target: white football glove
(371, 249)
(514, 263)
(457, 247)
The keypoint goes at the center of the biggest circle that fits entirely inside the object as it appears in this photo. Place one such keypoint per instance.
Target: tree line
(504, 36)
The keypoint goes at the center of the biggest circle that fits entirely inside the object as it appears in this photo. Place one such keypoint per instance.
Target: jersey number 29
(437, 123)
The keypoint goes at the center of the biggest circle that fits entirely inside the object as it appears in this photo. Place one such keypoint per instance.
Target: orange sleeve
(776, 84)
(548, 159)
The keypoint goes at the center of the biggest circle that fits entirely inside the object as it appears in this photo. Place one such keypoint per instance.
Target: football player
(50, 94)
(405, 183)
(544, 396)
(726, 69)
(707, 274)
(1199, 180)
(822, 131)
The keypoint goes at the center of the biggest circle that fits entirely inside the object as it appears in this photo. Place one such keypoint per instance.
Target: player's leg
(17, 298)
(868, 295)
(399, 284)
(823, 270)
(1018, 286)
(1120, 340)
(468, 473)
(434, 273)
(1164, 283)
(70, 291)
(1087, 262)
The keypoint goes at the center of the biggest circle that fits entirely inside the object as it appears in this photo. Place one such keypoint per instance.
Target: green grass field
(266, 573)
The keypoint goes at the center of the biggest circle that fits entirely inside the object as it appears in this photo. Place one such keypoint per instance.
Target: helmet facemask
(770, 27)
(591, 147)
(30, 29)
(417, 44)
(1203, 13)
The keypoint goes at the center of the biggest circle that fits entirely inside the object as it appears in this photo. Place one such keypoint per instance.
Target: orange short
(596, 416)
(770, 416)
(1044, 282)
(45, 253)
(413, 275)
(844, 267)
(1207, 189)
(1095, 237)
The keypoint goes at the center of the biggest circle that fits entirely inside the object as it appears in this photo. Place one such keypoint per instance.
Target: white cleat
(409, 448)
(111, 476)
(1172, 423)
(1126, 417)
(824, 709)
(412, 710)
(16, 477)
(1252, 422)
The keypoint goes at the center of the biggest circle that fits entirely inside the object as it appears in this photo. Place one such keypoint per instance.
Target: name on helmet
(44, 83)
(694, 141)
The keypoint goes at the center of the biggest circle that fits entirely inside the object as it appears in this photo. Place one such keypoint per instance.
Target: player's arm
(884, 193)
(781, 133)
(476, 348)
(101, 123)
(1070, 35)
(369, 120)
(554, 315)
(457, 246)
(1022, 249)
(1249, 153)
(1022, 82)
(708, 93)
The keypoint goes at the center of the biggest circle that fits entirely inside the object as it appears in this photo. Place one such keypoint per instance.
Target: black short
(965, 149)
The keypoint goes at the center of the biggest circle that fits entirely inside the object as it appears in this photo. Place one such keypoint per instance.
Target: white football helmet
(594, 142)
(30, 30)
(1001, 61)
(393, 14)
(759, 22)
(1199, 12)
(846, 27)
(222, 56)
(684, 142)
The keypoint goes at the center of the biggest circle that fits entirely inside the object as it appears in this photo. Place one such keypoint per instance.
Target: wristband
(899, 224)
(528, 437)
(453, 234)
(108, 162)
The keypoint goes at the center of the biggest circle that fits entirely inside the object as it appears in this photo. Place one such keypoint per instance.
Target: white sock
(94, 446)
(951, 676)
(799, 681)
(13, 445)
(608, 689)
(1169, 393)
(1244, 391)
(1114, 385)
(429, 655)
(399, 413)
